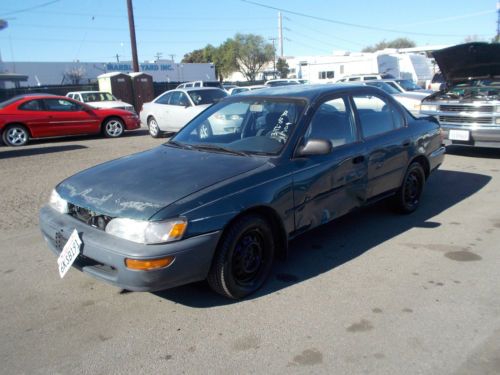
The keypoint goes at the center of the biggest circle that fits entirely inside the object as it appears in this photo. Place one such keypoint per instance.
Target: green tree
(396, 43)
(282, 67)
(195, 56)
(252, 53)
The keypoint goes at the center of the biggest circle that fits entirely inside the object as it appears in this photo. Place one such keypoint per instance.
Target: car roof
(87, 92)
(196, 88)
(309, 92)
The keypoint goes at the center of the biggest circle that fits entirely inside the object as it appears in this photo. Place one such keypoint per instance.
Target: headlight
(57, 203)
(428, 107)
(497, 109)
(147, 232)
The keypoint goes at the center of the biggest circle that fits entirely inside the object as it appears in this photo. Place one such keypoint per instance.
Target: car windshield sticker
(280, 131)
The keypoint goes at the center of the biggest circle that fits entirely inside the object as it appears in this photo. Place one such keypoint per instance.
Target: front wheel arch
(103, 123)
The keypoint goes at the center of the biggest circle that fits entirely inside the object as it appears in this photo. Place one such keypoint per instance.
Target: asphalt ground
(373, 292)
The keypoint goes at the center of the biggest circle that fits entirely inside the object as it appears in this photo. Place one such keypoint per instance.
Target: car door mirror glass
(315, 147)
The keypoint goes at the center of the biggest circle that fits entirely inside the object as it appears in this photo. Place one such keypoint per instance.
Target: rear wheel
(407, 198)
(15, 135)
(243, 259)
(113, 128)
(154, 129)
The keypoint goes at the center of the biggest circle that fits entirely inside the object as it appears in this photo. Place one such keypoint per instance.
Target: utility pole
(131, 25)
(172, 56)
(274, 56)
(117, 58)
(158, 55)
(497, 39)
(280, 33)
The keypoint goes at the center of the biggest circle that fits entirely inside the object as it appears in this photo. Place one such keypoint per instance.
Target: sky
(97, 30)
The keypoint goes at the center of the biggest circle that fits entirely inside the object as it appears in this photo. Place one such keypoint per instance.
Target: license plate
(459, 135)
(69, 253)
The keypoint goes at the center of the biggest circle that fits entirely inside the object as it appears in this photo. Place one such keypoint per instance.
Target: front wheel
(15, 135)
(243, 259)
(407, 198)
(154, 129)
(113, 128)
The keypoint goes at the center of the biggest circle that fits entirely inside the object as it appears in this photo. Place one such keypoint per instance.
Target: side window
(377, 115)
(61, 105)
(32, 105)
(179, 98)
(333, 121)
(197, 84)
(164, 99)
(354, 79)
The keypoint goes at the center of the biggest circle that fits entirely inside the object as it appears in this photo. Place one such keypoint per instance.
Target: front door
(328, 186)
(67, 117)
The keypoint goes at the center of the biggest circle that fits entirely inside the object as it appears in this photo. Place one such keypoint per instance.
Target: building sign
(144, 67)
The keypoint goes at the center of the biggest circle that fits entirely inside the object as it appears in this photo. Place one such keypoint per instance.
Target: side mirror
(315, 147)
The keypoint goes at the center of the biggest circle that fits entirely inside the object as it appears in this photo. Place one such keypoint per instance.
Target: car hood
(412, 95)
(109, 104)
(138, 186)
(469, 61)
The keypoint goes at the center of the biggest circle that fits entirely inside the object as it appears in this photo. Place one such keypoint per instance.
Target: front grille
(466, 108)
(466, 120)
(89, 217)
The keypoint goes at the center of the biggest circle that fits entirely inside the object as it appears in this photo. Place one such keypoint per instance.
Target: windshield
(206, 96)
(409, 85)
(247, 126)
(384, 86)
(97, 97)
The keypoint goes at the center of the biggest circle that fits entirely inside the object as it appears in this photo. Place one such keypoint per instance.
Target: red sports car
(39, 116)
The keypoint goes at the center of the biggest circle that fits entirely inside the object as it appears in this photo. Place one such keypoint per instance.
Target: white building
(58, 73)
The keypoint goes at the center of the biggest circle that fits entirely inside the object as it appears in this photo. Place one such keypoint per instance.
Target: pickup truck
(468, 110)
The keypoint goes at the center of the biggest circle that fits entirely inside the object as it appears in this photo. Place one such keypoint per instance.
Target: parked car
(39, 116)
(223, 208)
(405, 85)
(437, 83)
(100, 99)
(363, 77)
(469, 108)
(285, 82)
(175, 108)
(201, 84)
(410, 100)
(228, 86)
(237, 90)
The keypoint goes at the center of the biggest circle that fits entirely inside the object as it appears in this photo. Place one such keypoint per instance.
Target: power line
(348, 23)
(30, 8)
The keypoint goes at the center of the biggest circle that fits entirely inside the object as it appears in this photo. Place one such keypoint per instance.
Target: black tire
(153, 128)
(407, 198)
(15, 135)
(113, 127)
(205, 130)
(243, 260)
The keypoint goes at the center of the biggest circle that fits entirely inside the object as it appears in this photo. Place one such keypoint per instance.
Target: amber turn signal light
(148, 264)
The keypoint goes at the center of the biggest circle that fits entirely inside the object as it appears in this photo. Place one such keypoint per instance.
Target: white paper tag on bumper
(69, 253)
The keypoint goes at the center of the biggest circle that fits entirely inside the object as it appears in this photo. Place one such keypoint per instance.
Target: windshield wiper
(212, 147)
(179, 145)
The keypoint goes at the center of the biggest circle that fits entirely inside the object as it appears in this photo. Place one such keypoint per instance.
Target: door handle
(406, 143)
(358, 159)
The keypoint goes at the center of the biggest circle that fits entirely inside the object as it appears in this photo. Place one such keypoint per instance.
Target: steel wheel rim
(248, 259)
(153, 127)
(16, 136)
(413, 187)
(114, 128)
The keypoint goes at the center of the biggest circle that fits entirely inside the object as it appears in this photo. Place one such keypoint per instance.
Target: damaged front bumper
(103, 256)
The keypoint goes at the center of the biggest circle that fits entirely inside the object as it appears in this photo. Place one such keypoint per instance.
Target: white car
(173, 109)
(410, 100)
(100, 99)
(237, 90)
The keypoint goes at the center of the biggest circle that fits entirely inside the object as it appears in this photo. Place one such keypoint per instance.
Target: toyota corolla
(222, 207)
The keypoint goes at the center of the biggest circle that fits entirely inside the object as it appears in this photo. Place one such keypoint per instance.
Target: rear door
(328, 186)
(160, 109)
(387, 141)
(67, 117)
